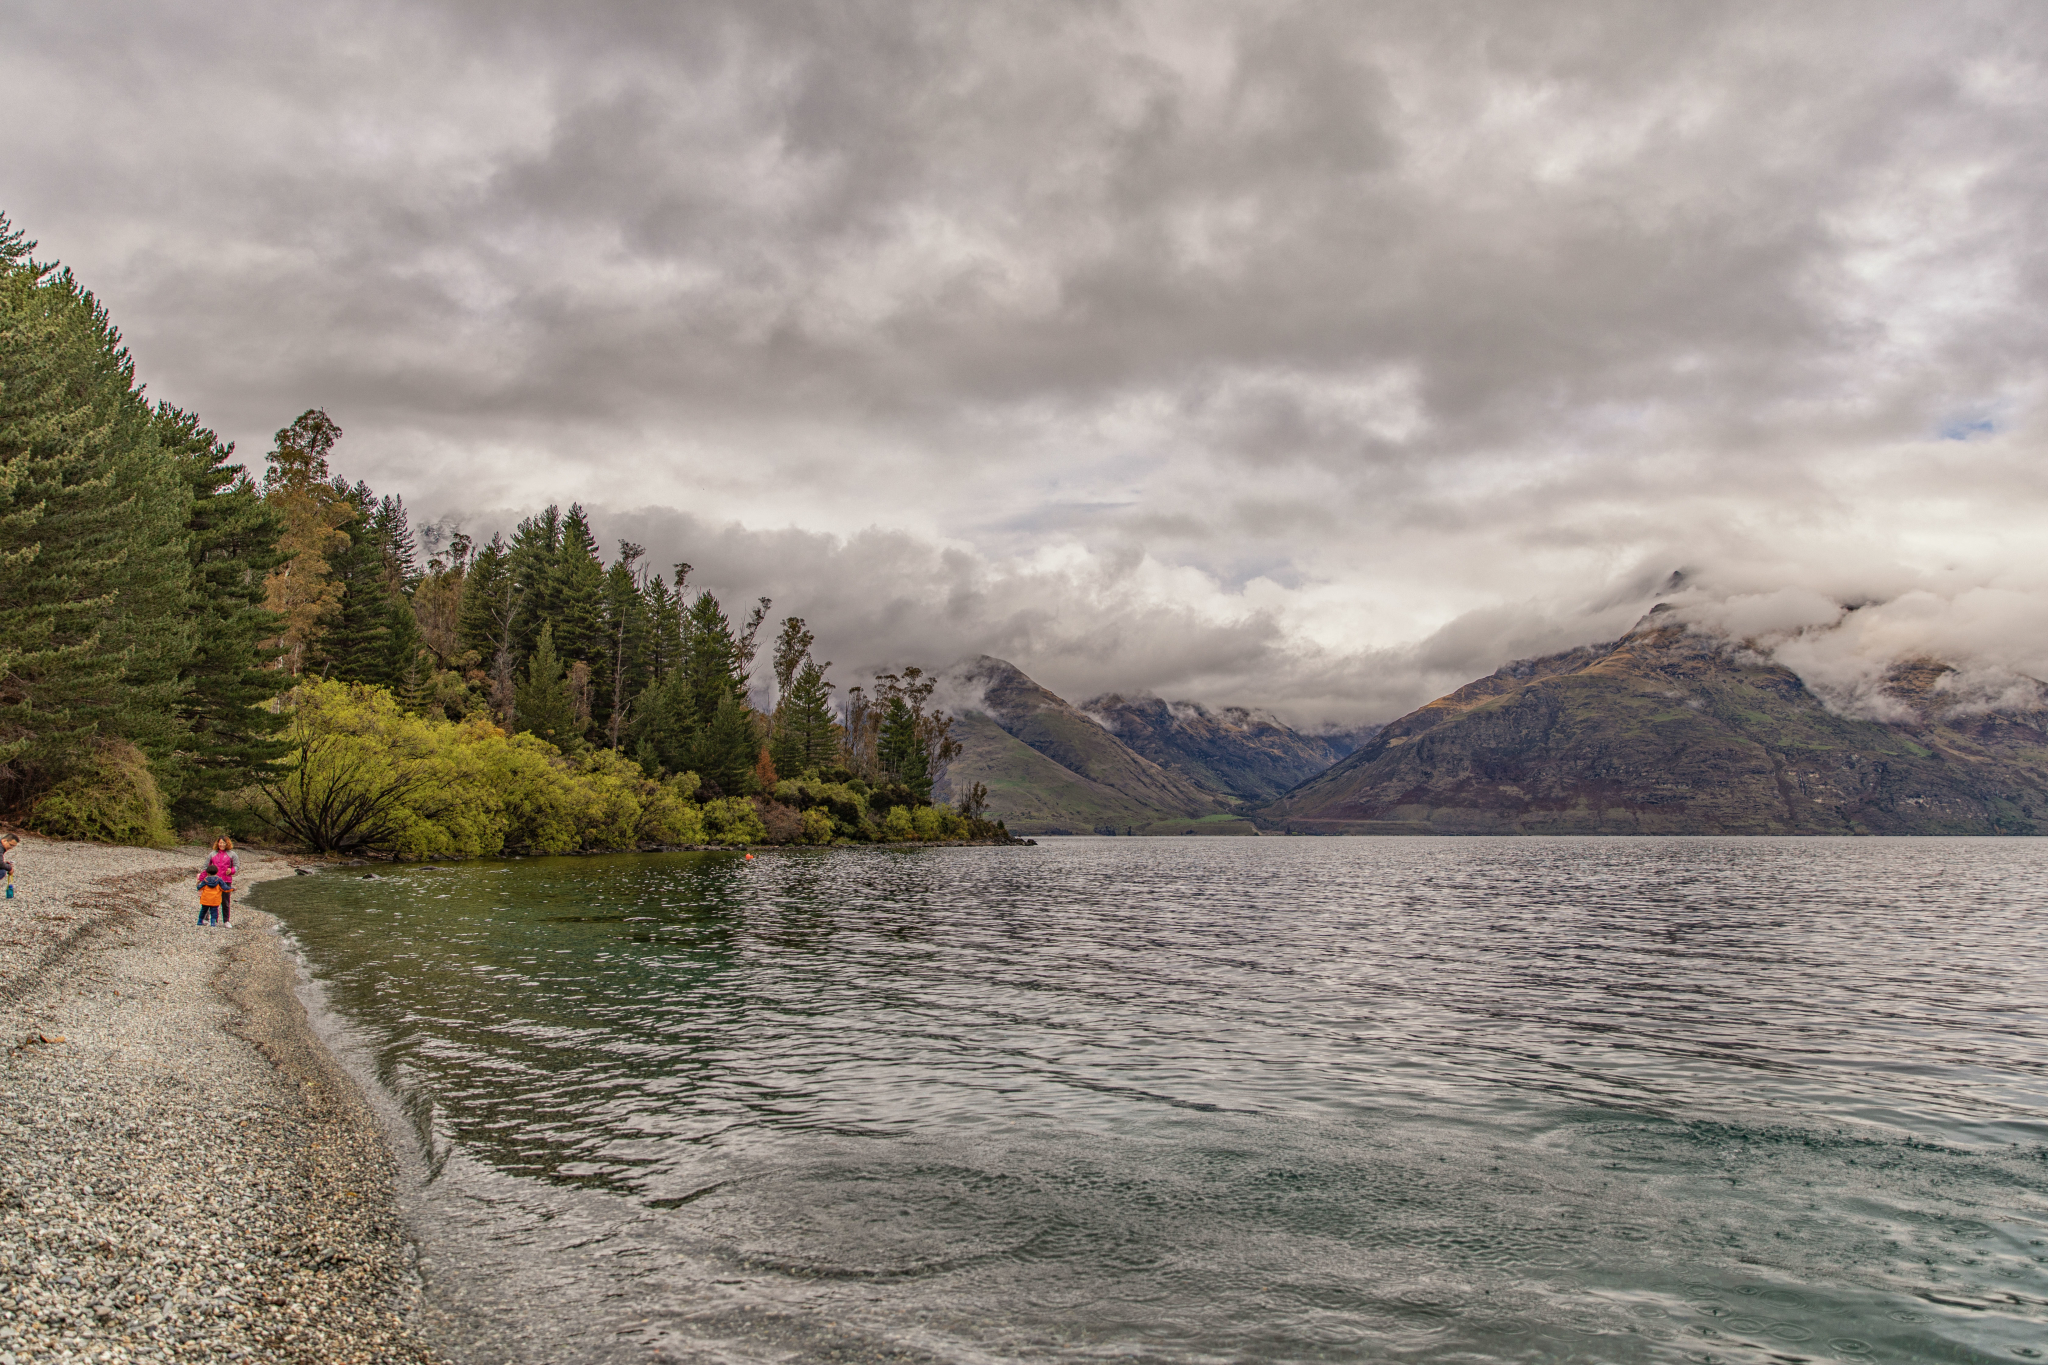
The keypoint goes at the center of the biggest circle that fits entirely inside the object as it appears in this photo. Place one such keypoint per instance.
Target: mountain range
(1671, 731)
(1129, 765)
(1667, 730)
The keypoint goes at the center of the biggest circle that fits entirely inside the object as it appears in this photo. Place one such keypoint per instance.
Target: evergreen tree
(662, 725)
(665, 624)
(698, 718)
(354, 647)
(626, 639)
(393, 530)
(912, 745)
(726, 750)
(233, 547)
(536, 543)
(792, 647)
(545, 709)
(806, 740)
(93, 515)
(577, 606)
(802, 737)
(712, 666)
(490, 614)
(900, 749)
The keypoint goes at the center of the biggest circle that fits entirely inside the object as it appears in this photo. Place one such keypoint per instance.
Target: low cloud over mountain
(1300, 355)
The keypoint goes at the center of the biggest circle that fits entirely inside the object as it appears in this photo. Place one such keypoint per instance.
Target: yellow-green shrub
(733, 820)
(110, 799)
(817, 827)
(899, 824)
(465, 789)
(669, 817)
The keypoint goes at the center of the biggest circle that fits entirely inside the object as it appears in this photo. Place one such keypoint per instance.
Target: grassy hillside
(1668, 732)
(1059, 731)
(1032, 793)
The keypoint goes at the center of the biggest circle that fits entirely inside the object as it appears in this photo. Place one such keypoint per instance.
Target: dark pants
(209, 914)
(225, 896)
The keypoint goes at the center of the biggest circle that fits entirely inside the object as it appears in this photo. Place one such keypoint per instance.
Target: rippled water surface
(1218, 1099)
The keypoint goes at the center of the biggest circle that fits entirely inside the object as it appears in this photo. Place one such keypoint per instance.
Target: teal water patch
(1432, 1100)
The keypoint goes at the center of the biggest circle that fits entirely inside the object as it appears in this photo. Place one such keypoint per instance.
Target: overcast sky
(1313, 356)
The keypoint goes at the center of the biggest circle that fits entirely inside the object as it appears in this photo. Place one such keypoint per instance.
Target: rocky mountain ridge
(1136, 766)
(1671, 731)
(1233, 751)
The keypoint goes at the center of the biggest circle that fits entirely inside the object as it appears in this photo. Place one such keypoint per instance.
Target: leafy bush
(365, 774)
(111, 799)
(733, 820)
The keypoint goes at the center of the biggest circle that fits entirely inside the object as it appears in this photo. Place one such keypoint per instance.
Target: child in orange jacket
(209, 898)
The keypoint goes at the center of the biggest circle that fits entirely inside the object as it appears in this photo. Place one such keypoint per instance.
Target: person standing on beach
(209, 896)
(7, 843)
(222, 865)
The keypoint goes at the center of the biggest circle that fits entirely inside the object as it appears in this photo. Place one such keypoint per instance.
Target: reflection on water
(1177, 1100)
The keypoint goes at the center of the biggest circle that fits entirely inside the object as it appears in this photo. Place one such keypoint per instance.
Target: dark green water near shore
(1535, 1100)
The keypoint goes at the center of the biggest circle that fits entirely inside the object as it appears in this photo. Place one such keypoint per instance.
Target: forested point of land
(195, 648)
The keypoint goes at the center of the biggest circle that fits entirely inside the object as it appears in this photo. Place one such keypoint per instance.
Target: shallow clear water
(1218, 1099)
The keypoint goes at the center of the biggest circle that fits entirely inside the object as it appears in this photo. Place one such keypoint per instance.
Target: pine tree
(725, 751)
(698, 718)
(806, 740)
(536, 543)
(233, 547)
(900, 750)
(93, 517)
(393, 530)
(792, 647)
(665, 624)
(490, 614)
(912, 745)
(711, 663)
(577, 608)
(357, 645)
(802, 736)
(626, 638)
(544, 705)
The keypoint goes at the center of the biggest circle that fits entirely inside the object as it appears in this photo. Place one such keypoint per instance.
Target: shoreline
(190, 1175)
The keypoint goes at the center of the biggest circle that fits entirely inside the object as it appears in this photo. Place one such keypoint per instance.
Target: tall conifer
(232, 544)
(92, 528)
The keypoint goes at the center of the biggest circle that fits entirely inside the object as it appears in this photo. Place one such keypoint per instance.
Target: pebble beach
(185, 1173)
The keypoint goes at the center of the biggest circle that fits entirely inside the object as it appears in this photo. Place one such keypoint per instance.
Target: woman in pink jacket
(222, 865)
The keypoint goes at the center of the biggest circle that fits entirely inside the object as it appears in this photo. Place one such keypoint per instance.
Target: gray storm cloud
(1312, 356)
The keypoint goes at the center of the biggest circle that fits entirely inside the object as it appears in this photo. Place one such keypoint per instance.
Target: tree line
(169, 610)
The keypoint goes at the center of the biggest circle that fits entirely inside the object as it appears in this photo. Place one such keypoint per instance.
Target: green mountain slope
(1233, 752)
(1032, 793)
(1668, 732)
(1056, 729)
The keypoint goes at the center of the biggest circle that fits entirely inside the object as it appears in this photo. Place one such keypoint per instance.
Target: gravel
(185, 1173)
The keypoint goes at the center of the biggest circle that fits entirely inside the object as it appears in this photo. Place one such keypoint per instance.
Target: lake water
(1444, 1100)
